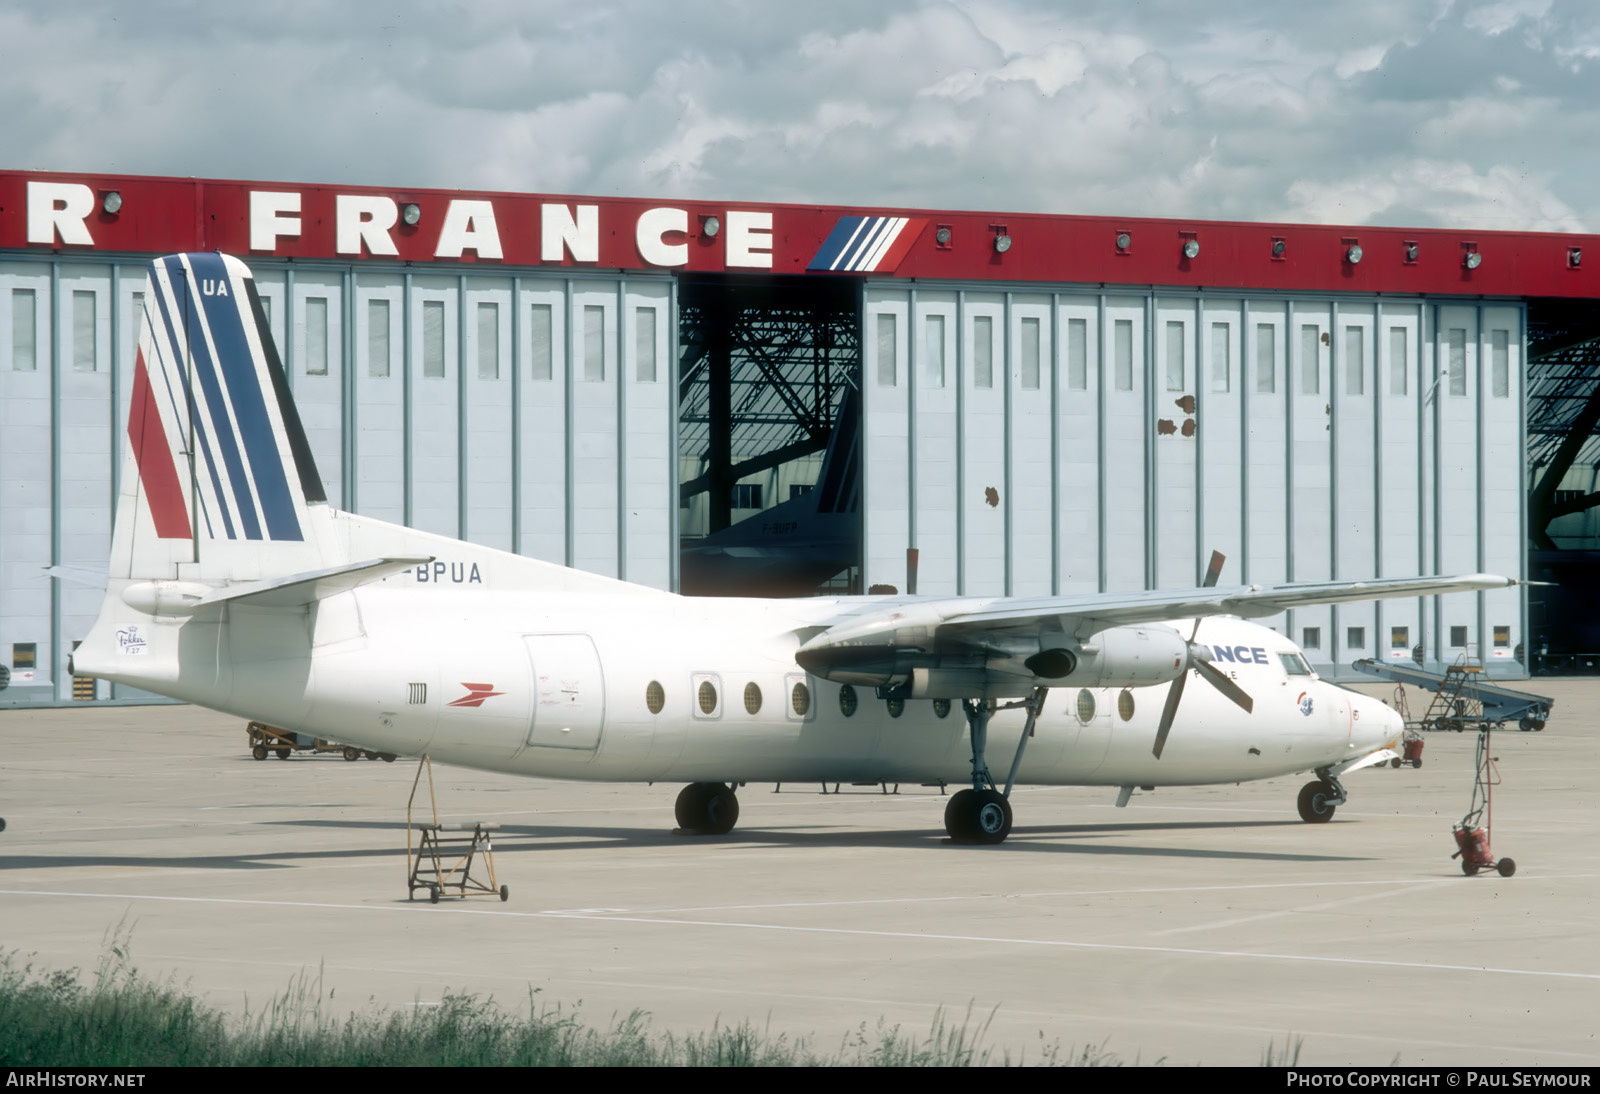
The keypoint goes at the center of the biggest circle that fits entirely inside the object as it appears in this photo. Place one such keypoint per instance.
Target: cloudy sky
(1419, 112)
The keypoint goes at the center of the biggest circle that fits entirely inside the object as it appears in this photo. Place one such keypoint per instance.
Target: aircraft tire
(1313, 803)
(707, 809)
(977, 816)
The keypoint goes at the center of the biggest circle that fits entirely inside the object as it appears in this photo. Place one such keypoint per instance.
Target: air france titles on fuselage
(1244, 655)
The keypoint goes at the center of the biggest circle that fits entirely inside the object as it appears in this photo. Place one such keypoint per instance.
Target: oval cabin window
(708, 697)
(752, 698)
(655, 697)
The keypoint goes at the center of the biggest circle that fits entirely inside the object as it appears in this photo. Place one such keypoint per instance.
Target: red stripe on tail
(154, 456)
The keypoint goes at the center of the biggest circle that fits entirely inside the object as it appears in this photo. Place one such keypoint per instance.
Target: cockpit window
(1294, 664)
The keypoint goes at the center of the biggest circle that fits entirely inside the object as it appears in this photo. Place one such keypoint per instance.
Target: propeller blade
(1224, 683)
(1213, 571)
(1174, 696)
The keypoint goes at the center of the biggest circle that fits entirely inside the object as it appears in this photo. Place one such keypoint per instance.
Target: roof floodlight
(1352, 254)
(1191, 247)
(111, 202)
(1002, 243)
(710, 225)
(410, 213)
(1278, 247)
(1412, 250)
(1124, 241)
(1574, 257)
(942, 236)
(1473, 260)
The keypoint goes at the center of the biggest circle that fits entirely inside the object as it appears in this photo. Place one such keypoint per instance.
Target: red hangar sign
(140, 215)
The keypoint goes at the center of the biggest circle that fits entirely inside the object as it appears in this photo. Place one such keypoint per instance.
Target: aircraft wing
(977, 625)
(1098, 610)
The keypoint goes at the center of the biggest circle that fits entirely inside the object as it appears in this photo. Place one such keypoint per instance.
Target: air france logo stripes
(867, 244)
(205, 382)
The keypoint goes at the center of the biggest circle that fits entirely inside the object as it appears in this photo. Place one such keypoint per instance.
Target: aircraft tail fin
(218, 480)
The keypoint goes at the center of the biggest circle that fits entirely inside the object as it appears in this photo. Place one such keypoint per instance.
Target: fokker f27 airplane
(234, 585)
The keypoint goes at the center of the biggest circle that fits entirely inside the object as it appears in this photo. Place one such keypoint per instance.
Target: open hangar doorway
(1564, 485)
(769, 420)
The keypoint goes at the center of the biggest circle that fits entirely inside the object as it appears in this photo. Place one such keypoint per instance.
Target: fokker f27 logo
(476, 694)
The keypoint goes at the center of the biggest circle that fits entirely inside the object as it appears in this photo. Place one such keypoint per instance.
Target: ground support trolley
(265, 739)
(1472, 832)
(454, 859)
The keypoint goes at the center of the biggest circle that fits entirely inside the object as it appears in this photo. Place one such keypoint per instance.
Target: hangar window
(1123, 337)
(377, 338)
(85, 346)
(1502, 638)
(1077, 354)
(941, 708)
(887, 344)
(488, 341)
(1266, 358)
(1399, 638)
(540, 334)
(983, 351)
(933, 352)
(655, 696)
(644, 345)
(847, 700)
(1399, 362)
(752, 698)
(745, 495)
(594, 343)
(1355, 363)
(316, 336)
(1458, 637)
(1175, 356)
(433, 338)
(1355, 638)
(800, 700)
(1310, 359)
(1456, 357)
(24, 352)
(1030, 354)
(1499, 363)
(1311, 638)
(1221, 366)
(1085, 706)
(1125, 705)
(706, 695)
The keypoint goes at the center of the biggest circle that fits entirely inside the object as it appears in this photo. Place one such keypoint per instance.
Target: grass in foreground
(124, 1019)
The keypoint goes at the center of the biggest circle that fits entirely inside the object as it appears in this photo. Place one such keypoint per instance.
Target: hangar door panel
(569, 701)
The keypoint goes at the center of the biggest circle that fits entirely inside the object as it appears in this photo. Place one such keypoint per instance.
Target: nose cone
(1378, 724)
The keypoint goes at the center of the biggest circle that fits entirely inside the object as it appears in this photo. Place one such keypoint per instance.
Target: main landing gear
(1319, 799)
(707, 809)
(983, 814)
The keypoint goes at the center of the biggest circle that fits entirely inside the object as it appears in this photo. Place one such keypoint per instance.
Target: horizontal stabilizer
(297, 590)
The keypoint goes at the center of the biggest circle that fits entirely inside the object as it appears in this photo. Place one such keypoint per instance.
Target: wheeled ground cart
(1472, 832)
(265, 739)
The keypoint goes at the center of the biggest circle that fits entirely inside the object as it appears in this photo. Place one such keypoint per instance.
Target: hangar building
(983, 403)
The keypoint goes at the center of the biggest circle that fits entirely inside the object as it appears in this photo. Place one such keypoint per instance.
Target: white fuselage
(560, 684)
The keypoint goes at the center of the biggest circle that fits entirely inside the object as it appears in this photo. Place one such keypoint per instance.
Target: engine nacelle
(1119, 657)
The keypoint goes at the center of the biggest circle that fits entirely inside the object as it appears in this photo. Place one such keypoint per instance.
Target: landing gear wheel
(707, 809)
(259, 752)
(352, 754)
(1505, 867)
(1315, 802)
(978, 816)
(283, 753)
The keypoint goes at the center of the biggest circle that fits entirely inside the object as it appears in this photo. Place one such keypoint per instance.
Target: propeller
(1213, 675)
